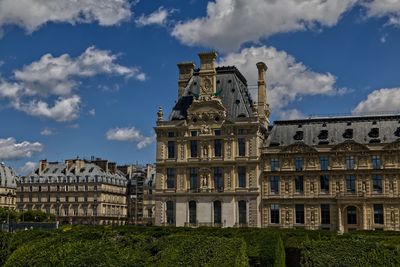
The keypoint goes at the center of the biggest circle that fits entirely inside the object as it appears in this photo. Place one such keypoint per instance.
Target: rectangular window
(274, 164)
(299, 184)
(298, 162)
(325, 214)
(218, 181)
(171, 134)
(376, 162)
(274, 213)
(299, 213)
(242, 176)
(378, 214)
(193, 179)
(217, 147)
(170, 178)
(217, 132)
(171, 149)
(377, 183)
(242, 147)
(350, 162)
(193, 148)
(324, 163)
(351, 183)
(324, 183)
(274, 184)
(193, 133)
(94, 210)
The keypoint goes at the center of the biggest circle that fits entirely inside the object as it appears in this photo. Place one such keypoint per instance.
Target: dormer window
(374, 133)
(348, 134)
(323, 135)
(298, 136)
(397, 132)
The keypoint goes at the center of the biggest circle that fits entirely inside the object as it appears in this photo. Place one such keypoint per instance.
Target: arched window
(170, 212)
(351, 215)
(192, 212)
(217, 212)
(242, 212)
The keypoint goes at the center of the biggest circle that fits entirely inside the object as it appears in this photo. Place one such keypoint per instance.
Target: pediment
(298, 147)
(350, 146)
(393, 146)
(210, 111)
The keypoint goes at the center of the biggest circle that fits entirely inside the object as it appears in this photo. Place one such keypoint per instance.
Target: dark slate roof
(233, 92)
(335, 130)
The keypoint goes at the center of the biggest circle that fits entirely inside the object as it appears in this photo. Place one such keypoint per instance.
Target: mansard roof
(372, 129)
(231, 89)
(8, 177)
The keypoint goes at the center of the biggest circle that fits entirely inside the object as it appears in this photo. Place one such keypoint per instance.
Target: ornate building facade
(208, 151)
(8, 184)
(219, 163)
(333, 173)
(77, 191)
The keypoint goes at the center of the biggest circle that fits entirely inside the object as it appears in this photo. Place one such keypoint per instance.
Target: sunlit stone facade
(333, 173)
(8, 184)
(219, 163)
(208, 151)
(77, 191)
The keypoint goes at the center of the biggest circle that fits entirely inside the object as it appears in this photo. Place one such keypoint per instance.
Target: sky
(86, 78)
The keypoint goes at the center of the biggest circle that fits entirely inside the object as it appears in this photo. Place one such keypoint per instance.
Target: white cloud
(384, 8)
(382, 100)
(290, 114)
(57, 75)
(130, 134)
(230, 23)
(92, 112)
(46, 132)
(27, 168)
(10, 150)
(60, 76)
(287, 79)
(64, 109)
(158, 17)
(32, 14)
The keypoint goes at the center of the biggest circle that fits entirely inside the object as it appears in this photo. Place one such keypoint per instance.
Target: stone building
(208, 151)
(220, 163)
(149, 204)
(77, 191)
(339, 173)
(8, 184)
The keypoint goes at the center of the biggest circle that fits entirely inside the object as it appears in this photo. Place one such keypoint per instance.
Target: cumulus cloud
(158, 17)
(287, 79)
(27, 168)
(290, 114)
(58, 77)
(230, 23)
(32, 14)
(130, 134)
(384, 8)
(63, 109)
(11, 150)
(382, 100)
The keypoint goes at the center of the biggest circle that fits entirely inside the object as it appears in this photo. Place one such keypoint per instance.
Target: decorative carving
(160, 114)
(312, 187)
(298, 147)
(350, 146)
(228, 149)
(205, 151)
(287, 216)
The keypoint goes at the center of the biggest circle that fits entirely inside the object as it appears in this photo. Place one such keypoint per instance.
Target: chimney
(263, 110)
(207, 75)
(69, 163)
(185, 73)
(42, 165)
(79, 163)
(112, 167)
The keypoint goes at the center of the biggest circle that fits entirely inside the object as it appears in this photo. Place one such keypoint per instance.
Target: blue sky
(87, 78)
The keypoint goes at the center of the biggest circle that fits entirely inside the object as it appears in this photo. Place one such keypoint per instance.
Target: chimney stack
(263, 109)
(185, 73)
(208, 83)
(42, 166)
